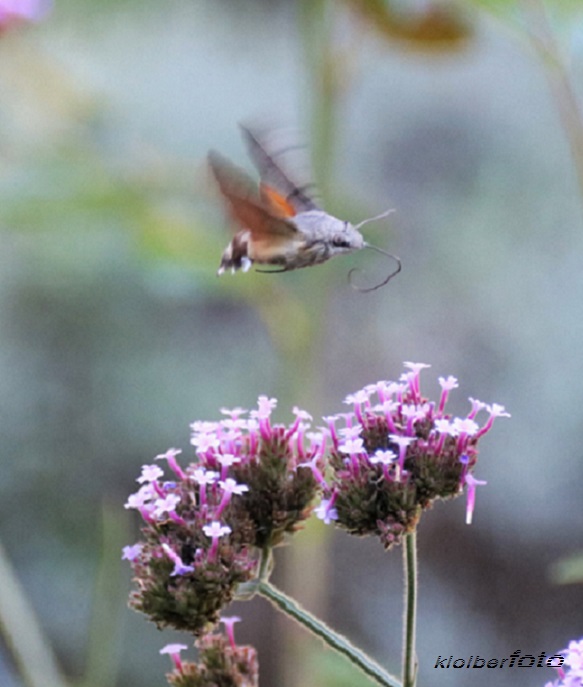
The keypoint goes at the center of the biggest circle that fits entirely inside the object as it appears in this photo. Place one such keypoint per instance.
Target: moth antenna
(374, 219)
(386, 280)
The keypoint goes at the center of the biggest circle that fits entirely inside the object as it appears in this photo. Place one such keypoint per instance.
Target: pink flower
(264, 407)
(446, 384)
(352, 446)
(170, 457)
(229, 623)
(471, 483)
(150, 473)
(326, 511)
(179, 567)
(13, 12)
(130, 553)
(402, 443)
(233, 413)
(174, 651)
(215, 531)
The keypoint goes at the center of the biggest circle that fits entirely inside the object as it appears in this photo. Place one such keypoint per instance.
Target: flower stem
(410, 616)
(266, 564)
(327, 635)
(560, 82)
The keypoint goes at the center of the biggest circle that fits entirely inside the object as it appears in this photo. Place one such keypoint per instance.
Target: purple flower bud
(130, 553)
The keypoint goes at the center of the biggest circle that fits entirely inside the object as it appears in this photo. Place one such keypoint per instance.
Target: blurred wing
(275, 202)
(246, 206)
(273, 176)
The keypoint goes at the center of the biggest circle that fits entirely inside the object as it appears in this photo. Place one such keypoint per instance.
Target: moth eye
(339, 242)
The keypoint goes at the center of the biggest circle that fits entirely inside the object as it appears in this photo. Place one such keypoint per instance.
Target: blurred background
(115, 333)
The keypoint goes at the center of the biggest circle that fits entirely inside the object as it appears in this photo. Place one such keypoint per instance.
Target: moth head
(345, 238)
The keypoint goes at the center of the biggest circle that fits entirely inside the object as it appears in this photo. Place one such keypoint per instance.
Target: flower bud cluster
(203, 527)
(221, 662)
(397, 453)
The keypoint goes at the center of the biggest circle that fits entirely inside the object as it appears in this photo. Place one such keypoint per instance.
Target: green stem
(317, 21)
(103, 657)
(327, 635)
(265, 564)
(410, 565)
(561, 86)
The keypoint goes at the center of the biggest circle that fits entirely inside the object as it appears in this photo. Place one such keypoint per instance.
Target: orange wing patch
(275, 202)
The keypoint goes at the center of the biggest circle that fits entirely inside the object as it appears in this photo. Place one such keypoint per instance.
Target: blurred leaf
(174, 234)
(433, 28)
(70, 188)
(287, 320)
(568, 570)
(561, 9)
(21, 632)
(498, 7)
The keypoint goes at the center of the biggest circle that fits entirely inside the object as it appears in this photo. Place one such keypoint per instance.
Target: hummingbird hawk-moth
(278, 222)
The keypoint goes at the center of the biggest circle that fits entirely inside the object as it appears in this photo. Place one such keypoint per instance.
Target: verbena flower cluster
(396, 453)
(253, 482)
(221, 662)
(571, 673)
(204, 526)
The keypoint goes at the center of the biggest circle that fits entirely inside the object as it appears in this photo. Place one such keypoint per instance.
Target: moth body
(316, 237)
(278, 223)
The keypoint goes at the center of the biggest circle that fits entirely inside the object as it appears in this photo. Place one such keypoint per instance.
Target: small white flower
(352, 446)
(215, 529)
